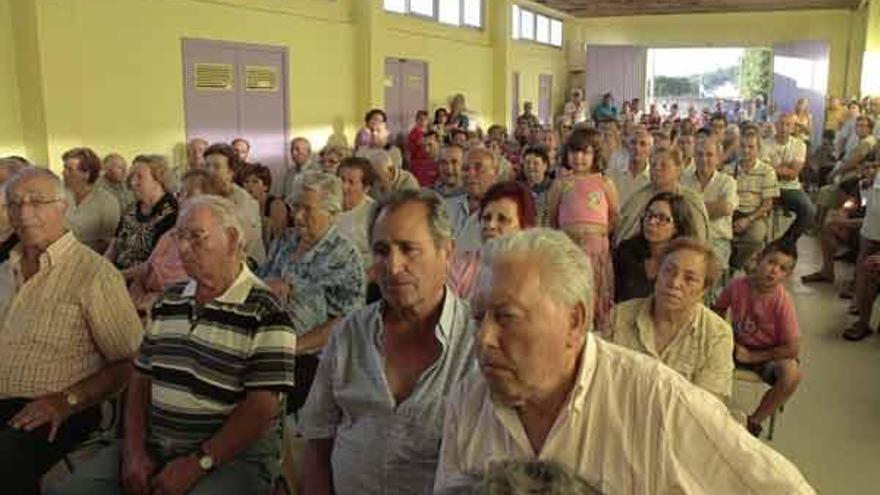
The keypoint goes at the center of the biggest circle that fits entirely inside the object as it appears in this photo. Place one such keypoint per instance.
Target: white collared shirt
(630, 425)
(720, 187)
(627, 183)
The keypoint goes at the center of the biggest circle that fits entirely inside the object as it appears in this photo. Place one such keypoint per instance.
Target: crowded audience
(434, 311)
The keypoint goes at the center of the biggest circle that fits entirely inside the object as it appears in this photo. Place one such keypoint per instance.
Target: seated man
(201, 415)
(480, 171)
(374, 417)
(113, 174)
(622, 422)
(787, 154)
(757, 189)
(448, 183)
(389, 178)
(674, 326)
(666, 169)
(69, 332)
(765, 328)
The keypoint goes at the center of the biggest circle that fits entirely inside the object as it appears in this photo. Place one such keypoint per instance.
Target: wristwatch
(206, 461)
(72, 399)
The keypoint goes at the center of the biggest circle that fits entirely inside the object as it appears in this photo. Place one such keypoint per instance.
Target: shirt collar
(237, 293)
(54, 254)
(585, 375)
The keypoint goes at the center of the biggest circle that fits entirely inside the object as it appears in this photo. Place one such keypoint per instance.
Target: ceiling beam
(590, 8)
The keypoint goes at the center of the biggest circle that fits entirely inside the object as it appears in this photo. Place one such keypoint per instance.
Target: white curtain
(619, 70)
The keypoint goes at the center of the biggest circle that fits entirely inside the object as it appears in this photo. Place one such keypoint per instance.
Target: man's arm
(317, 472)
(249, 421)
(718, 209)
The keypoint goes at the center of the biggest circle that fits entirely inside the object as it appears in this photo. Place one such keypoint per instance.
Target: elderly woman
(637, 260)
(507, 207)
(94, 212)
(315, 271)
(164, 266)
(257, 181)
(144, 222)
(674, 326)
(331, 156)
(388, 177)
(536, 165)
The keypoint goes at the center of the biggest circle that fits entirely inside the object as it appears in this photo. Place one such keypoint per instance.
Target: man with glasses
(202, 410)
(69, 332)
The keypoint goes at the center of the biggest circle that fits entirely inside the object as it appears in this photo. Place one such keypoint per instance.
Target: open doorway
(709, 80)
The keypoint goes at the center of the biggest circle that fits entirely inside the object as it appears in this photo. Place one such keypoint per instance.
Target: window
(462, 13)
(532, 26)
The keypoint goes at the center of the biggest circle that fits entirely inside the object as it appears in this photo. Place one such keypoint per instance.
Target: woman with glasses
(637, 259)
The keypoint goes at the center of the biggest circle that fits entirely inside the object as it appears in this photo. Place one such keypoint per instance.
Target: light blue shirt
(380, 446)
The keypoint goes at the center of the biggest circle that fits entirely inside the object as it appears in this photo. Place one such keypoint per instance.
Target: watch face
(206, 462)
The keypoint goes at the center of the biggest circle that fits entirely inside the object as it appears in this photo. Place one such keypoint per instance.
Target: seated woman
(315, 271)
(331, 156)
(674, 326)
(164, 267)
(637, 259)
(257, 181)
(143, 223)
(507, 207)
(93, 215)
(374, 120)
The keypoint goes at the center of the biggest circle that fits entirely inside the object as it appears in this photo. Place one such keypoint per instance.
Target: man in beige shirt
(674, 326)
(68, 332)
(621, 421)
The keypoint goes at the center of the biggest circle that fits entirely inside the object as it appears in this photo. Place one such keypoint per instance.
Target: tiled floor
(831, 427)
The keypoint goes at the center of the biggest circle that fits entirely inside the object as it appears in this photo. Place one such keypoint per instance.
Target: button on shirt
(64, 323)
(702, 351)
(721, 187)
(380, 446)
(630, 425)
(793, 150)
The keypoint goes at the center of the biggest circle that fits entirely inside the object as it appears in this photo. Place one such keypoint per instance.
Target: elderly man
(637, 175)
(94, 212)
(357, 179)
(719, 196)
(315, 271)
(674, 326)
(621, 421)
(220, 158)
(113, 173)
(195, 154)
(666, 170)
(787, 154)
(242, 148)
(202, 411)
(757, 189)
(374, 417)
(302, 159)
(449, 164)
(388, 177)
(480, 172)
(69, 332)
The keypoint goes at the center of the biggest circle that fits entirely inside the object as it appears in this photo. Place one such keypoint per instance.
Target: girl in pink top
(584, 205)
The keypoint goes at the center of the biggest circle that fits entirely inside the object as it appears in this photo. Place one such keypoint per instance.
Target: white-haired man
(480, 171)
(303, 160)
(68, 332)
(374, 417)
(623, 422)
(202, 411)
(388, 178)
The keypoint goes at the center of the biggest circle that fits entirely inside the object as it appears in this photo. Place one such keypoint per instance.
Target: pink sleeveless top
(583, 201)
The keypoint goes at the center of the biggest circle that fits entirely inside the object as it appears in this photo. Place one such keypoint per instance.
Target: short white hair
(376, 157)
(329, 187)
(224, 211)
(26, 173)
(565, 271)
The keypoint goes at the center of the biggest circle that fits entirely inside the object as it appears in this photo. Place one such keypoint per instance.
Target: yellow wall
(735, 29)
(871, 53)
(112, 72)
(11, 138)
(531, 60)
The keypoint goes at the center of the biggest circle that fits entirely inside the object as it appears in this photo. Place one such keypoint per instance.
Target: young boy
(765, 328)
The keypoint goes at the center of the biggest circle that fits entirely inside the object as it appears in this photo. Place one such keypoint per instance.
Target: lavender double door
(238, 90)
(406, 92)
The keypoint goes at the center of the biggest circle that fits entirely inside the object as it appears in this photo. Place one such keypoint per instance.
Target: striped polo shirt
(202, 359)
(754, 186)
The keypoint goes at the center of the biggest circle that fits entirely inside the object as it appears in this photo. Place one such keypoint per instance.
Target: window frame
(436, 17)
(518, 36)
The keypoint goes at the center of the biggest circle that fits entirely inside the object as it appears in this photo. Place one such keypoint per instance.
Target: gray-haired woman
(315, 271)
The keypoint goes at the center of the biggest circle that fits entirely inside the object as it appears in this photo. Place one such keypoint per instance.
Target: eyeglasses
(17, 204)
(195, 238)
(660, 218)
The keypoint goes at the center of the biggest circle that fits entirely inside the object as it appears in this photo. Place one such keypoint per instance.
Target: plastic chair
(107, 432)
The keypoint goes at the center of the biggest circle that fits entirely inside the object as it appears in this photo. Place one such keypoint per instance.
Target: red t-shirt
(414, 143)
(760, 321)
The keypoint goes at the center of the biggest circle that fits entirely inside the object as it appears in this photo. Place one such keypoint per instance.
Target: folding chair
(753, 379)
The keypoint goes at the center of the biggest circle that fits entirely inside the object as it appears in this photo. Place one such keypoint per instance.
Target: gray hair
(224, 211)
(551, 478)
(566, 273)
(27, 173)
(377, 157)
(329, 187)
(438, 219)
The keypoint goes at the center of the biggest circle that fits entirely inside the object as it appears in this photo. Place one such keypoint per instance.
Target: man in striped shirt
(202, 415)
